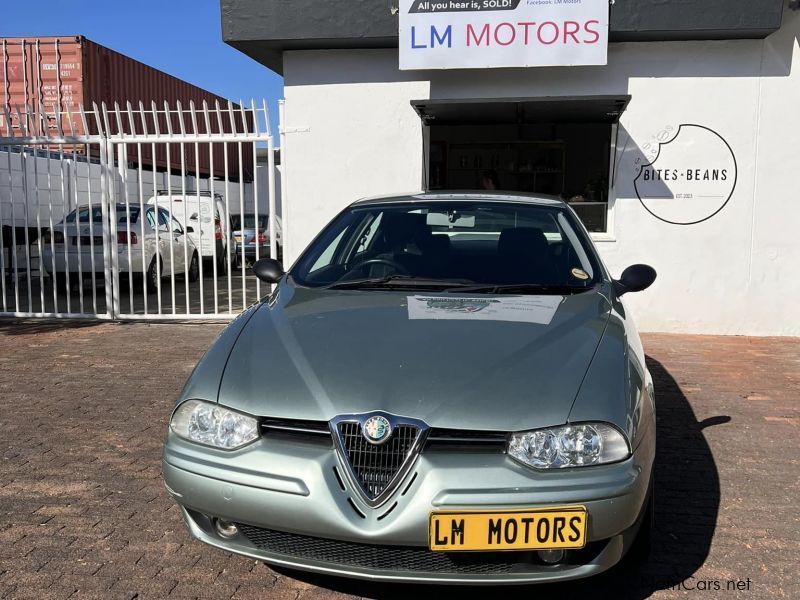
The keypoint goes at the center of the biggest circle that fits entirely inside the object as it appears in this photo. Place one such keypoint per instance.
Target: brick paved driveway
(83, 513)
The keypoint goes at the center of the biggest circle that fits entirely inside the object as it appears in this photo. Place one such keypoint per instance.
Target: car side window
(163, 220)
(367, 237)
(326, 258)
(83, 215)
(342, 244)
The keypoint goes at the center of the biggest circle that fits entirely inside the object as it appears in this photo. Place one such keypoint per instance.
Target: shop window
(553, 146)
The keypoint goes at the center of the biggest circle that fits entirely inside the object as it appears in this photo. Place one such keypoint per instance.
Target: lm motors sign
(478, 34)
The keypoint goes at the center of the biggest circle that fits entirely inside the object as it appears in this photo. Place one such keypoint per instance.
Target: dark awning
(266, 31)
(521, 111)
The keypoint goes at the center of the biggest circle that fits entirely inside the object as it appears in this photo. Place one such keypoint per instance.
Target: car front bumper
(251, 250)
(297, 515)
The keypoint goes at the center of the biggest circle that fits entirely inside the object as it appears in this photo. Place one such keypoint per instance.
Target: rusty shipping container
(63, 73)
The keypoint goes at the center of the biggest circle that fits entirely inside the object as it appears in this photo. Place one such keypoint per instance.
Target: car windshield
(477, 244)
(97, 214)
(249, 221)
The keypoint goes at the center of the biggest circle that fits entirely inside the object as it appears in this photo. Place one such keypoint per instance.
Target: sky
(180, 37)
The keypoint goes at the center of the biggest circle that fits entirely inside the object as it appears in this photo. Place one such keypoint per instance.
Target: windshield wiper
(524, 288)
(396, 281)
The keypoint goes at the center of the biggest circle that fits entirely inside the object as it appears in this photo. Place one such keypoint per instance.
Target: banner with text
(480, 34)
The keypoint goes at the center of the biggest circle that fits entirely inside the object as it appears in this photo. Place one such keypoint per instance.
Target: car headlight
(578, 445)
(213, 425)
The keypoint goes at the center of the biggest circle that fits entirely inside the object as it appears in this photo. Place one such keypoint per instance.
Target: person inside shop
(489, 180)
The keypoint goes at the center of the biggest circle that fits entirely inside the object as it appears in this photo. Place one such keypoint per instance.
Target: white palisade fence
(136, 212)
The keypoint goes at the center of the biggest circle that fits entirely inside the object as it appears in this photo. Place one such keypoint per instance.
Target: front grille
(416, 559)
(375, 466)
(296, 426)
(466, 440)
(438, 439)
(374, 556)
(316, 432)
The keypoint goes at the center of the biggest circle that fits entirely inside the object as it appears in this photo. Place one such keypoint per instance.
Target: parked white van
(207, 218)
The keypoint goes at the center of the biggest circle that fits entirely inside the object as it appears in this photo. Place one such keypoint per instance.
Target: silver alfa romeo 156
(444, 388)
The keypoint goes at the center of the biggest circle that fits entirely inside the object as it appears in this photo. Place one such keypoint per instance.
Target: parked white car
(207, 217)
(75, 246)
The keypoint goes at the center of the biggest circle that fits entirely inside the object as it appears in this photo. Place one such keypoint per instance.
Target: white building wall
(262, 182)
(353, 133)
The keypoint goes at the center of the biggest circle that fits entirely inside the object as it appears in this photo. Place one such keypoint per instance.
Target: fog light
(225, 528)
(551, 557)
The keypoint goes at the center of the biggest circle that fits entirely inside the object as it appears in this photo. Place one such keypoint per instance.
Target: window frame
(346, 247)
(609, 235)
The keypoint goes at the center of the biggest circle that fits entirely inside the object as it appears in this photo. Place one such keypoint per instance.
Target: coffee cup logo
(691, 179)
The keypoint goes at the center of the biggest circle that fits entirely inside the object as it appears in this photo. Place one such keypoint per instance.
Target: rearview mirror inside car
(635, 279)
(268, 270)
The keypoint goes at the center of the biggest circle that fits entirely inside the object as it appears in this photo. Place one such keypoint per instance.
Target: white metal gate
(136, 212)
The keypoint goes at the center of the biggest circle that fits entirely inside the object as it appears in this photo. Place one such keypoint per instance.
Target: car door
(166, 241)
(181, 247)
(224, 222)
(174, 237)
(149, 236)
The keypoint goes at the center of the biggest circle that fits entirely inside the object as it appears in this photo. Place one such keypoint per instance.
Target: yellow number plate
(534, 529)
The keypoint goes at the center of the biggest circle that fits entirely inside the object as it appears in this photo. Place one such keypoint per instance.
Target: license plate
(529, 529)
(237, 239)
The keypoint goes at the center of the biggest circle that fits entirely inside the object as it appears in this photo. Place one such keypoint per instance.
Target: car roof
(457, 195)
(189, 196)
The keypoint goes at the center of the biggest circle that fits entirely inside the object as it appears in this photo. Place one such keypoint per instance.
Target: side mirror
(189, 229)
(268, 270)
(635, 279)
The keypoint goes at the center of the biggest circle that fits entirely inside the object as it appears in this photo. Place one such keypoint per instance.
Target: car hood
(499, 363)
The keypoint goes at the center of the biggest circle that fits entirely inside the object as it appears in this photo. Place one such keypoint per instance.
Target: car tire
(194, 268)
(151, 277)
(222, 263)
(61, 283)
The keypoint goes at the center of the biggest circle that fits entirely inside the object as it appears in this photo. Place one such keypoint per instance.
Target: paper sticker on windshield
(579, 274)
(521, 309)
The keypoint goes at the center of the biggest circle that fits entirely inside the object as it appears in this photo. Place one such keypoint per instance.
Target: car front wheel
(222, 264)
(62, 286)
(194, 268)
(151, 278)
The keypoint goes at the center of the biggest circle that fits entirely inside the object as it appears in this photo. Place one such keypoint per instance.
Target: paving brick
(192, 589)
(83, 512)
(150, 587)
